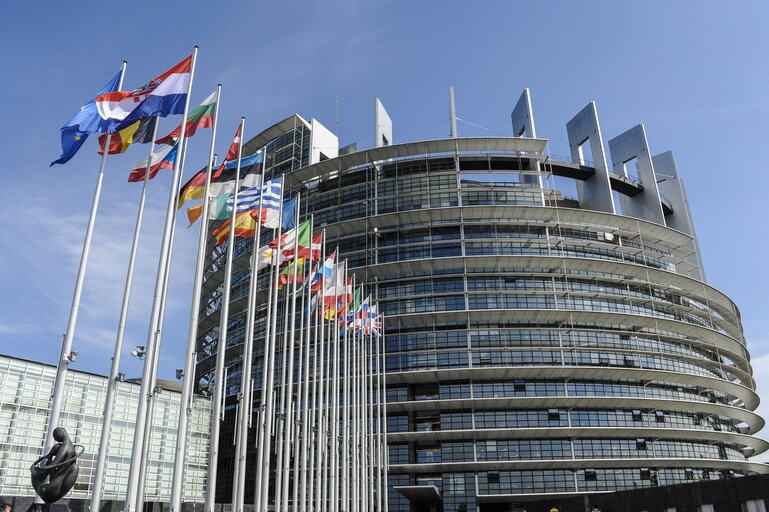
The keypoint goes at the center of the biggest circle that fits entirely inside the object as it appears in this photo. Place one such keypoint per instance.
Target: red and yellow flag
(245, 226)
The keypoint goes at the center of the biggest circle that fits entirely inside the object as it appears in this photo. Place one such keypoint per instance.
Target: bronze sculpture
(54, 474)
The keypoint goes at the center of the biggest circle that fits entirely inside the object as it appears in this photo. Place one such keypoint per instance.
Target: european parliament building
(537, 344)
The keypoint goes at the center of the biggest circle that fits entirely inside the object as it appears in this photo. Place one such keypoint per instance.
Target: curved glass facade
(533, 346)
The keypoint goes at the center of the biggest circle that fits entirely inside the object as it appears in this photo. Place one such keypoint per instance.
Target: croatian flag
(163, 96)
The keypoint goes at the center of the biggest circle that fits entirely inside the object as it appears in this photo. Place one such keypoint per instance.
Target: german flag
(138, 132)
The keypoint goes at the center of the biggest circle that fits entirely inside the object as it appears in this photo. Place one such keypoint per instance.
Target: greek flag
(270, 193)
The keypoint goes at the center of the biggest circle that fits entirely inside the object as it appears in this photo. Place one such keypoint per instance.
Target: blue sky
(693, 72)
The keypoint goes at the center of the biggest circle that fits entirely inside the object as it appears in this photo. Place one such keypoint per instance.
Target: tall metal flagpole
(66, 345)
(141, 416)
(306, 388)
(152, 398)
(245, 398)
(380, 461)
(344, 467)
(266, 447)
(336, 468)
(189, 362)
(386, 453)
(288, 389)
(109, 401)
(319, 386)
(217, 412)
(267, 367)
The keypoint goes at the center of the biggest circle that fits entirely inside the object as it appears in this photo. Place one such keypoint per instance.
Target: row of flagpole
(319, 434)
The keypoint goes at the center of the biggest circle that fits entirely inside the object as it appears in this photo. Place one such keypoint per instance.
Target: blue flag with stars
(86, 120)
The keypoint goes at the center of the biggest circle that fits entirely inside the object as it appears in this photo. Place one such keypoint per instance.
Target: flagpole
(300, 437)
(289, 383)
(386, 453)
(109, 401)
(380, 461)
(155, 390)
(267, 365)
(321, 414)
(266, 451)
(217, 412)
(244, 397)
(65, 356)
(306, 393)
(317, 370)
(334, 401)
(154, 327)
(370, 406)
(188, 374)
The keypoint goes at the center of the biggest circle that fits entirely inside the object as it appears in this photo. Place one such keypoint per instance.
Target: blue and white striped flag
(271, 194)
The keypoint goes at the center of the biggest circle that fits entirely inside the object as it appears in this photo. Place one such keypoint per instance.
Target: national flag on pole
(201, 117)
(325, 274)
(163, 159)
(315, 245)
(245, 161)
(87, 120)
(220, 192)
(300, 236)
(287, 274)
(268, 195)
(221, 182)
(138, 132)
(163, 96)
(245, 226)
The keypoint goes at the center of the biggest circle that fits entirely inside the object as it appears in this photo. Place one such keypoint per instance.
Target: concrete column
(624, 148)
(595, 192)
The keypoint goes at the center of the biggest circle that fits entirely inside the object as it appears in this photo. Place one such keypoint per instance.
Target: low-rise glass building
(25, 400)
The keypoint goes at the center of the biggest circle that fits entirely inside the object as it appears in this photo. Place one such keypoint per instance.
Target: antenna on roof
(336, 119)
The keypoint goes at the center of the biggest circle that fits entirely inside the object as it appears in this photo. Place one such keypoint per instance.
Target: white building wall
(25, 392)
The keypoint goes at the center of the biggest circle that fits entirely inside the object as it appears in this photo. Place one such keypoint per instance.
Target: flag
(287, 274)
(325, 274)
(163, 96)
(201, 117)
(265, 257)
(336, 299)
(245, 225)
(311, 249)
(221, 182)
(217, 209)
(269, 196)
(352, 304)
(245, 161)
(138, 132)
(301, 236)
(86, 120)
(163, 159)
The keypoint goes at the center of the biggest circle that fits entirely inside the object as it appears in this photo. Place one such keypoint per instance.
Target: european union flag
(86, 120)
